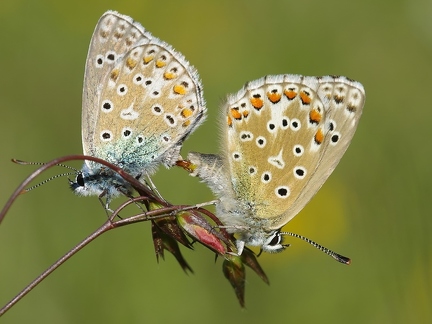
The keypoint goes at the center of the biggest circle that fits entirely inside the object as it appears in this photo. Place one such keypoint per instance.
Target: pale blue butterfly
(282, 136)
(141, 100)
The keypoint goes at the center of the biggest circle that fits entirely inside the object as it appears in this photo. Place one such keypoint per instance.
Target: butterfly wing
(279, 140)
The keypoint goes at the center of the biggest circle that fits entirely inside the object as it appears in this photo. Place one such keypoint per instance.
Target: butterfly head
(99, 181)
(270, 242)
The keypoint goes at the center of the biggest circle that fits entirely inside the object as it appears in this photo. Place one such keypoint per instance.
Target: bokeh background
(375, 208)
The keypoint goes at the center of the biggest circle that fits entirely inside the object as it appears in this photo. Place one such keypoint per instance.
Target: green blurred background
(375, 208)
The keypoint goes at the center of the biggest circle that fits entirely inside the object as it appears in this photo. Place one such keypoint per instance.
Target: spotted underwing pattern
(141, 100)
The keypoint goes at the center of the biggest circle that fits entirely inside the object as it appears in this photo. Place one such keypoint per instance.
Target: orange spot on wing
(179, 89)
(245, 113)
(169, 75)
(290, 94)
(147, 59)
(229, 121)
(131, 63)
(235, 113)
(319, 136)
(306, 100)
(315, 116)
(186, 123)
(186, 112)
(257, 102)
(160, 63)
(274, 97)
(114, 74)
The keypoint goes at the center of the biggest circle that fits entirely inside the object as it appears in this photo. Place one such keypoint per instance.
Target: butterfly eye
(80, 180)
(273, 244)
(275, 240)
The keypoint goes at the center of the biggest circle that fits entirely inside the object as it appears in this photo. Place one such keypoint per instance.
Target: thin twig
(162, 212)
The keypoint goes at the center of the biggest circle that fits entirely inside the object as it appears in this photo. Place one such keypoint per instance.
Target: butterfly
(141, 100)
(282, 137)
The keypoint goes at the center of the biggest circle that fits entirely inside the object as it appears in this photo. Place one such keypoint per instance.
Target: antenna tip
(17, 161)
(342, 259)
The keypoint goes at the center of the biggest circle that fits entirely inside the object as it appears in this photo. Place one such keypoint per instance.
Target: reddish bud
(201, 230)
